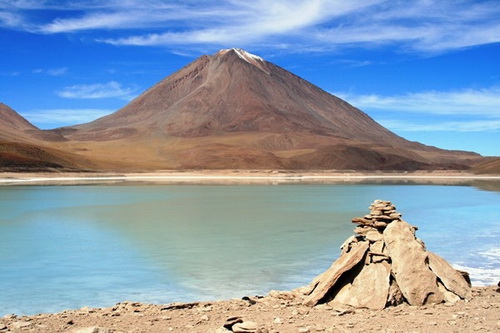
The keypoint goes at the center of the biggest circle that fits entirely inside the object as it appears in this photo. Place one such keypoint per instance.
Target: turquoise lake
(65, 247)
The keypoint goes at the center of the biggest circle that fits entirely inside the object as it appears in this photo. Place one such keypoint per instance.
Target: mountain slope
(24, 147)
(14, 127)
(235, 110)
(231, 92)
(490, 165)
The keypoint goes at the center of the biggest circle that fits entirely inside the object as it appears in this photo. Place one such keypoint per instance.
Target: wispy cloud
(444, 126)
(52, 71)
(250, 23)
(473, 102)
(469, 110)
(111, 89)
(10, 20)
(63, 117)
(350, 63)
(321, 25)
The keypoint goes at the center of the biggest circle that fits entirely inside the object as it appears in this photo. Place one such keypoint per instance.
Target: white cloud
(52, 71)
(350, 63)
(23, 4)
(469, 110)
(444, 126)
(63, 117)
(103, 21)
(249, 22)
(111, 89)
(10, 20)
(473, 102)
(321, 25)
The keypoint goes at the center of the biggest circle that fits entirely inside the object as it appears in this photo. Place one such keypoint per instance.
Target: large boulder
(369, 289)
(451, 278)
(409, 265)
(321, 285)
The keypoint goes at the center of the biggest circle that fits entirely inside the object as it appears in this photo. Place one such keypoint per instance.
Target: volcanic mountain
(234, 110)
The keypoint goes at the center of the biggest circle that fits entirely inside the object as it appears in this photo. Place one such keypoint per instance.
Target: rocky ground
(277, 312)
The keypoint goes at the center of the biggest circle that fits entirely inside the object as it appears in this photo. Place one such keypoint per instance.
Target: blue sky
(427, 70)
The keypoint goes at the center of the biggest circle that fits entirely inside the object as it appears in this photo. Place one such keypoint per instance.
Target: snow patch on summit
(247, 56)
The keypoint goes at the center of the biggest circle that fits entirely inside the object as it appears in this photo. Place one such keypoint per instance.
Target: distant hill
(24, 147)
(490, 165)
(234, 110)
(14, 127)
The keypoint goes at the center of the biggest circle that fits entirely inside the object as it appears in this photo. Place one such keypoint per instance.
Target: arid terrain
(229, 110)
(276, 313)
(232, 117)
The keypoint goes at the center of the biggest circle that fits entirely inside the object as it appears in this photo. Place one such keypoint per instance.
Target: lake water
(65, 247)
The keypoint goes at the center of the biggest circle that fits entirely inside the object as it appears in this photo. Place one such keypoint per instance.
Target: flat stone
(322, 284)
(369, 288)
(92, 329)
(346, 246)
(409, 265)
(466, 276)
(395, 296)
(285, 295)
(380, 224)
(342, 296)
(362, 221)
(449, 297)
(374, 236)
(245, 327)
(221, 330)
(378, 258)
(379, 206)
(19, 325)
(363, 230)
(451, 278)
(377, 247)
(232, 321)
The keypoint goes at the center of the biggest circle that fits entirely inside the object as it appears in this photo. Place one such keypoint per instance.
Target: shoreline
(239, 177)
(276, 312)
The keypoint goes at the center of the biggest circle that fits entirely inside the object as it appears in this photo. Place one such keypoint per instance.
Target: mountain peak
(233, 110)
(13, 125)
(12, 119)
(247, 56)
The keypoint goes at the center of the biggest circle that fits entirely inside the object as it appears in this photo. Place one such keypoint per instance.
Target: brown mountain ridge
(25, 147)
(234, 110)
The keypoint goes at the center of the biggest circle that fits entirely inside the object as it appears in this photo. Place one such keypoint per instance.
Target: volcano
(235, 92)
(234, 110)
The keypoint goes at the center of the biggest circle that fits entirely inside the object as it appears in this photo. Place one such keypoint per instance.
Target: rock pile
(385, 264)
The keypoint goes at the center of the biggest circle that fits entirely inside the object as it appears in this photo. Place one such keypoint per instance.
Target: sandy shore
(275, 313)
(240, 176)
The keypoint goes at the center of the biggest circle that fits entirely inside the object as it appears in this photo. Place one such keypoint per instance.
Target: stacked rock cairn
(385, 264)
